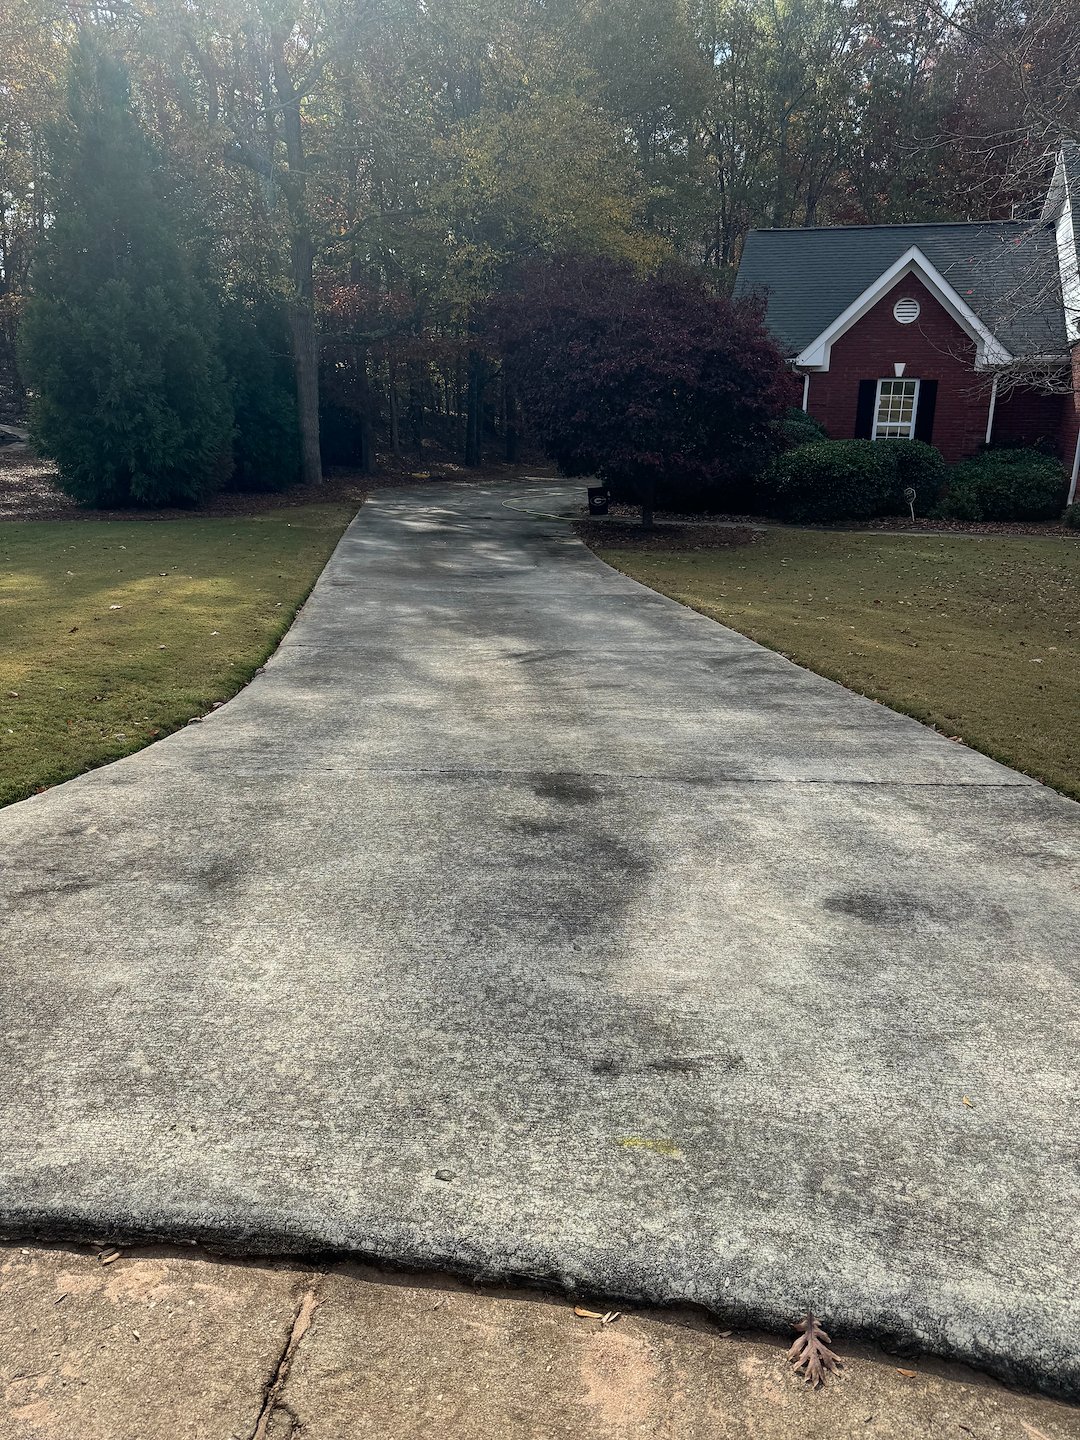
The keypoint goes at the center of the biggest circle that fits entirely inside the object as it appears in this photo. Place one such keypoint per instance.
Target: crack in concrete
(302, 1319)
(458, 772)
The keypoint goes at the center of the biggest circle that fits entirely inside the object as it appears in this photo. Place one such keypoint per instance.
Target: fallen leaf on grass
(587, 1314)
(108, 1256)
(969, 1103)
(811, 1353)
(908, 1374)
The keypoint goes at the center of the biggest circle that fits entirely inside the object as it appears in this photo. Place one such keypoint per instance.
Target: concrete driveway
(519, 921)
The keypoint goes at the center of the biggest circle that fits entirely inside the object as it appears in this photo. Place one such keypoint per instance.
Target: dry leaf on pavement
(811, 1353)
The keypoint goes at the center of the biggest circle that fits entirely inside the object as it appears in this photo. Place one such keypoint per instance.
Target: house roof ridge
(890, 225)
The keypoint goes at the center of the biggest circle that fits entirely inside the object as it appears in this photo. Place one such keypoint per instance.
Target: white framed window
(894, 409)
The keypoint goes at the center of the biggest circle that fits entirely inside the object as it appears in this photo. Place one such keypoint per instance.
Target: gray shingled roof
(1006, 271)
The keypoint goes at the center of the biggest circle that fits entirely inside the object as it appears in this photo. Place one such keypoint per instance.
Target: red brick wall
(933, 348)
(1024, 417)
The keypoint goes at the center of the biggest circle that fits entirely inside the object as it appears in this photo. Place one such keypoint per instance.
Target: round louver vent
(906, 310)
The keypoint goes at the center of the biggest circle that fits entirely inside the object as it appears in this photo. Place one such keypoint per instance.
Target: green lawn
(980, 637)
(115, 632)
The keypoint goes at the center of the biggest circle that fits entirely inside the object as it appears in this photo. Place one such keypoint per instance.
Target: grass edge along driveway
(116, 632)
(979, 638)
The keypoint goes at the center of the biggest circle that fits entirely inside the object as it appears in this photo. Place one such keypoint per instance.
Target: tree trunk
(305, 346)
(474, 417)
(395, 425)
(416, 409)
(511, 433)
(460, 410)
(648, 501)
(363, 408)
(305, 335)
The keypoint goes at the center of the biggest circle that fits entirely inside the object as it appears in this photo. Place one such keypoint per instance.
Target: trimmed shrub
(670, 395)
(799, 428)
(1019, 484)
(1072, 517)
(833, 480)
(922, 467)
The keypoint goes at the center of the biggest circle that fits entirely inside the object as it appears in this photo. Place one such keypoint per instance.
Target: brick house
(959, 334)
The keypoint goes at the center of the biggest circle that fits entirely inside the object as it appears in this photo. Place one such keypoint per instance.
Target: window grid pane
(896, 409)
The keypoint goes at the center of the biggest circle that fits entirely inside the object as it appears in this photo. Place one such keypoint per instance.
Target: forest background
(361, 180)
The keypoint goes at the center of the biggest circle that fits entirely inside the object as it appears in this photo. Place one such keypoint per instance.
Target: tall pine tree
(119, 343)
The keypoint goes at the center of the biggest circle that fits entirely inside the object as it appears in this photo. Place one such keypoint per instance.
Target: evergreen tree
(119, 343)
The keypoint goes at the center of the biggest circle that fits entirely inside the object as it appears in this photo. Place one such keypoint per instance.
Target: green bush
(799, 428)
(266, 440)
(919, 466)
(1071, 516)
(119, 343)
(1014, 484)
(833, 480)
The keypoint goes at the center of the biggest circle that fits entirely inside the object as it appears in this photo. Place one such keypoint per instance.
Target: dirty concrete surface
(521, 922)
(159, 1343)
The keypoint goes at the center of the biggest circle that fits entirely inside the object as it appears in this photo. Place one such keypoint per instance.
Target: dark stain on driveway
(570, 789)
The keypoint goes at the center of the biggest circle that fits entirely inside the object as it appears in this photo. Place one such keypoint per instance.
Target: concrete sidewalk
(520, 922)
(157, 1343)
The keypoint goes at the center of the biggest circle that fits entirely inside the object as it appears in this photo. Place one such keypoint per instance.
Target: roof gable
(988, 350)
(1005, 272)
(1062, 211)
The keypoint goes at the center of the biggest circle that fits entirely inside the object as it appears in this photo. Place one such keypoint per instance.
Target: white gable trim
(1065, 235)
(989, 351)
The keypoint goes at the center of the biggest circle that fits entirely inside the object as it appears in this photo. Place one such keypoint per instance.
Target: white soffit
(989, 351)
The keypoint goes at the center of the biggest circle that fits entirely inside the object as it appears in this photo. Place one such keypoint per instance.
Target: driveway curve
(520, 921)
